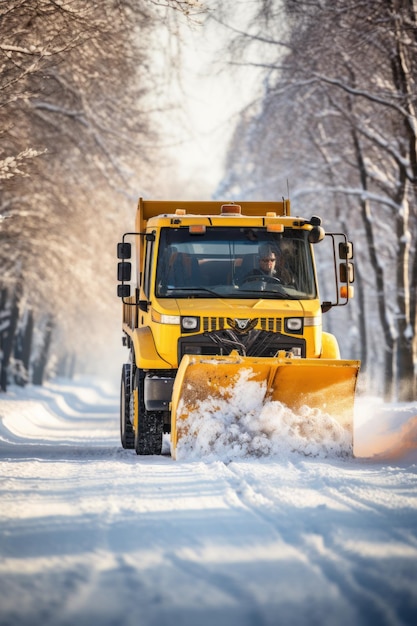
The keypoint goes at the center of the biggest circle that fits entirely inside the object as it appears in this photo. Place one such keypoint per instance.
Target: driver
(267, 260)
(267, 265)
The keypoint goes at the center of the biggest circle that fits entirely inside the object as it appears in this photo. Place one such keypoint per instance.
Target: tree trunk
(9, 336)
(23, 349)
(66, 365)
(27, 341)
(362, 321)
(404, 82)
(390, 373)
(405, 364)
(40, 364)
(388, 336)
(413, 317)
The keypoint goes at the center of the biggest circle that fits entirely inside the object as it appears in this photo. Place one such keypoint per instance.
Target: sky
(211, 95)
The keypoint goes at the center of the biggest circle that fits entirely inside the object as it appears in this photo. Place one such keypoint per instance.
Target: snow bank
(386, 431)
(239, 425)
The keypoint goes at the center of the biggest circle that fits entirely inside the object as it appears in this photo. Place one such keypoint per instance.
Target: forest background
(103, 101)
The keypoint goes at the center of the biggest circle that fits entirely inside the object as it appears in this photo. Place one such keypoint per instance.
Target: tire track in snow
(117, 539)
(223, 584)
(332, 553)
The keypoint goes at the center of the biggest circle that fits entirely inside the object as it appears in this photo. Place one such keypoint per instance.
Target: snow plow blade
(324, 384)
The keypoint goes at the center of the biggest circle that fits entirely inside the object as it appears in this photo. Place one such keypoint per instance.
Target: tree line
(77, 88)
(336, 121)
(333, 124)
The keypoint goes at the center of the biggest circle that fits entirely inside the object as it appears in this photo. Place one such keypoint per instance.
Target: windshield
(234, 263)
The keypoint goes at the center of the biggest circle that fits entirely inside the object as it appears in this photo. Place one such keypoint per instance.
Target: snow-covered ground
(91, 534)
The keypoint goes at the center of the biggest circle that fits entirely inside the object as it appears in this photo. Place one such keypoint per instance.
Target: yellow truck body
(198, 307)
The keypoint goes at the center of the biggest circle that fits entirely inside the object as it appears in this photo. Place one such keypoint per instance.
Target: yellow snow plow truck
(211, 288)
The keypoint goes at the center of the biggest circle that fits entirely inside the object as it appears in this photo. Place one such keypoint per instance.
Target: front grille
(272, 324)
(256, 343)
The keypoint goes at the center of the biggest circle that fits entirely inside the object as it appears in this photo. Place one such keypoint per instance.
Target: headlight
(294, 325)
(188, 324)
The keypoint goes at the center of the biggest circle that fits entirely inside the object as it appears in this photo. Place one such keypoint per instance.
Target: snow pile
(240, 425)
(386, 431)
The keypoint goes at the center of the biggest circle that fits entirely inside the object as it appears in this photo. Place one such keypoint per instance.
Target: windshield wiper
(191, 291)
(266, 294)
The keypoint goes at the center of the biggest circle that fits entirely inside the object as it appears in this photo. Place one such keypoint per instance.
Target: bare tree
(76, 98)
(339, 107)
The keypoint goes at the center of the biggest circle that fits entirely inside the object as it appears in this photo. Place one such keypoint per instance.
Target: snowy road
(94, 535)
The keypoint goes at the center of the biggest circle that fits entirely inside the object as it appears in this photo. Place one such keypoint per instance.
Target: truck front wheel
(127, 435)
(150, 424)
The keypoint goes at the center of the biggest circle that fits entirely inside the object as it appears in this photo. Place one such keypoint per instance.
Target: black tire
(148, 436)
(127, 436)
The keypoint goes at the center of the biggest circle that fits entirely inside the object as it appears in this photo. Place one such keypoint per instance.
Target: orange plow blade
(324, 384)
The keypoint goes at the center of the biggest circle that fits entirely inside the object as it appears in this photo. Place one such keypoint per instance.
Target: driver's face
(268, 262)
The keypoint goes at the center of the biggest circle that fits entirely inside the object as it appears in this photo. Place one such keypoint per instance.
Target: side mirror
(346, 272)
(346, 250)
(123, 291)
(124, 250)
(124, 271)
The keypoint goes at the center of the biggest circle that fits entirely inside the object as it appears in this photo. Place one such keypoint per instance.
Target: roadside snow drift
(270, 525)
